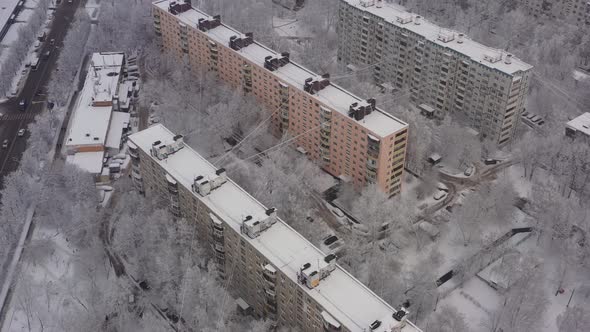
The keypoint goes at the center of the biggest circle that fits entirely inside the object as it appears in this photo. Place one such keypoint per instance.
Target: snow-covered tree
(446, 319)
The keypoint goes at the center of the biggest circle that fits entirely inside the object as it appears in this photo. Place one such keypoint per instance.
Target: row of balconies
(174, 207)
(371, 175)
(284, 114)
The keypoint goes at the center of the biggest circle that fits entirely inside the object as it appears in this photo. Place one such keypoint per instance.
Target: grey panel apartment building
(578, 11)
(272, 270)
(440, 70)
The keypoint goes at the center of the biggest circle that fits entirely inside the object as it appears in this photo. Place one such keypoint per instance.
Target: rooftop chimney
(417, 20)
(379, 3)
(508, 59)
(313, 85)
(460, 38)
(208, 24)
(273, 63)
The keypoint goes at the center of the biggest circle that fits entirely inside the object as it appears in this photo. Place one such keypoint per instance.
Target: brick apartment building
(351, 138)
(272, 270)
(442, 71)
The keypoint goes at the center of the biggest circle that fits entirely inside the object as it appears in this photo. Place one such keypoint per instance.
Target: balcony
(284, 114)
(218, 248)
(325, 114)
(372, 153)
(326, 126)
(175, 210)
(133, 153)
(136, 175)
(173, 189)
(325, 154)
(372, 164)
(217, 235)
(270, 293)
(371, 176)
(325, 135)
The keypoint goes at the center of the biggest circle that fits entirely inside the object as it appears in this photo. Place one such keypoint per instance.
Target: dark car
(22, 105)
(46, 55)
(490, 161)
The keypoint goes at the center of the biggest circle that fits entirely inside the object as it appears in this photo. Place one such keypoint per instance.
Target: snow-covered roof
(88, 161)
(333, 96)
(90, 124)
(340, 294)
(581, 124)
(119, 121)
(398, 16)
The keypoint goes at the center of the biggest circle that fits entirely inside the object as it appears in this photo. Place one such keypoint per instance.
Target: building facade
(579, 128)
(271, 269)
(578, 11)
(442, 71)
(351, 138)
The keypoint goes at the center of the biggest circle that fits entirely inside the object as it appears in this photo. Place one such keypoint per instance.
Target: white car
(153, 119)
(5, 144)
(340, 216)
(442, 187)
(469, 171)
(439, 195)
(21, 133)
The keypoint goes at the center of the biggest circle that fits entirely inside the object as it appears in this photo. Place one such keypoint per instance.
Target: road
(13, 118)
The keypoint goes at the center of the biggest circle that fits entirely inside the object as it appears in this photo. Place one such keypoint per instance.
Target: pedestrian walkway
(17, 116)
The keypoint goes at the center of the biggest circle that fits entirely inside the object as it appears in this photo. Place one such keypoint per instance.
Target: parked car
(439, 195)
(490, 161)
(21, 133)
(46, 55)
(442, 187)
(5, 144)
(52, 41)
(469, 171)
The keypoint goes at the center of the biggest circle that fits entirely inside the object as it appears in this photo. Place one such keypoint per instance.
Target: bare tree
(574, 319)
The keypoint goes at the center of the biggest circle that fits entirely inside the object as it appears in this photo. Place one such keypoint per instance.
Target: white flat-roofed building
(579, 127)
(271, 268)
(330, 123)
(96, 126)
(436, 67)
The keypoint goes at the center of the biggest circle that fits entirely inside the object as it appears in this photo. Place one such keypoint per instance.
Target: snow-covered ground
(47, 285)
(290, 27)
(12, 34)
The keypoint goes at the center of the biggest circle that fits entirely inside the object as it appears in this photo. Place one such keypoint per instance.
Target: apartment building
(272, 270)
(578, 11)
(349, 137)
(442, 71)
